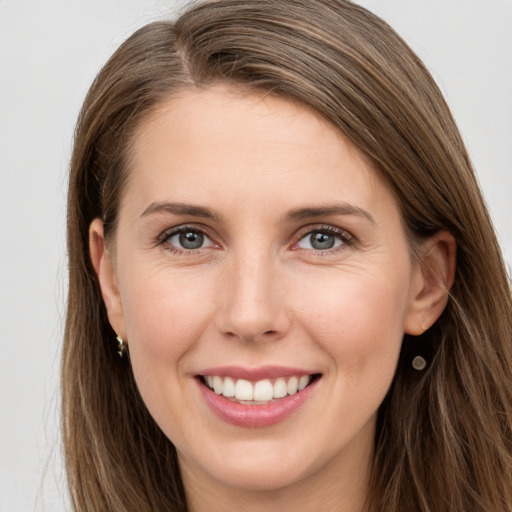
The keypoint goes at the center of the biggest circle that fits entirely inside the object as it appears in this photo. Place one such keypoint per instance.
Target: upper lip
(255, 374)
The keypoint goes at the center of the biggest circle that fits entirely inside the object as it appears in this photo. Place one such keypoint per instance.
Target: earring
(121, 346)
(419, 363)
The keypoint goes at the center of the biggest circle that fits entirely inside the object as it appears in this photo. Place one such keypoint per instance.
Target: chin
(259, 476)
(261, 466)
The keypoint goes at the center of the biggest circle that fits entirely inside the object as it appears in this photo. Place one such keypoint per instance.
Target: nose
(252, 301)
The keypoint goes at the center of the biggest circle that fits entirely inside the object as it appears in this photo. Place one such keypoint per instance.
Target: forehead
(219, 140)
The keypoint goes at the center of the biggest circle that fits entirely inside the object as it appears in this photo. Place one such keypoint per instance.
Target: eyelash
(344, 237)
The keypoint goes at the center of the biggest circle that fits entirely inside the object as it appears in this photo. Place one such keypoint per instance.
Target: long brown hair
(444, 436)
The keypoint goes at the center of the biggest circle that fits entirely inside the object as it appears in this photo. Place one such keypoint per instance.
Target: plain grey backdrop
(50, 50)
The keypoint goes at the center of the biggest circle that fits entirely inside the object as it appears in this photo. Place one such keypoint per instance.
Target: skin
(258, 293)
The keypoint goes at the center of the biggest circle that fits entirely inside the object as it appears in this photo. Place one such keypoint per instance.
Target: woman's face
(258, 252)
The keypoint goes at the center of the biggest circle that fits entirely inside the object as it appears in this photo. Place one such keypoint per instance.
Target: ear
(433, 277)
(105, 270)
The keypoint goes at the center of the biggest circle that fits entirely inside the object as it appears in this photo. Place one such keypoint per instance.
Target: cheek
(165, 314)
(358, 321)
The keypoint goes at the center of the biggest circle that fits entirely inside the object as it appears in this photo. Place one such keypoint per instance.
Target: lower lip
(255, 415)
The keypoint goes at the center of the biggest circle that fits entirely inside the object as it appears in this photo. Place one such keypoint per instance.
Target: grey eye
(320, 241)
(189, 239)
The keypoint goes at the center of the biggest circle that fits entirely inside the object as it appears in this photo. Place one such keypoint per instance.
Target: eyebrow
(181, 209)
(294, 215)
(324, 211)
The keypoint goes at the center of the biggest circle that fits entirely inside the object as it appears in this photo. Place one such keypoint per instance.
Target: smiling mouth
(261, 392)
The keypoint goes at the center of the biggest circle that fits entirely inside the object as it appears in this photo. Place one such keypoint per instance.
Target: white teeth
(303, 382)
(262, 391)
(280, 388)
(243, 390)
(229, 387)
(292, 386)
(217, 385)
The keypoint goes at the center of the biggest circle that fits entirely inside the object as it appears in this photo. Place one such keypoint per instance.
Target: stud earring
(419, 363)
(121, 346)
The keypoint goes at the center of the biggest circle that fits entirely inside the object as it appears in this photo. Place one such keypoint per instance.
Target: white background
(49, 53)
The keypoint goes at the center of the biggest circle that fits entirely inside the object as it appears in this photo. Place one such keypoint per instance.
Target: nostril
(249, 336)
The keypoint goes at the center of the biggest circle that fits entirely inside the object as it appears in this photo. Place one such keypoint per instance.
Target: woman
(285, 290)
